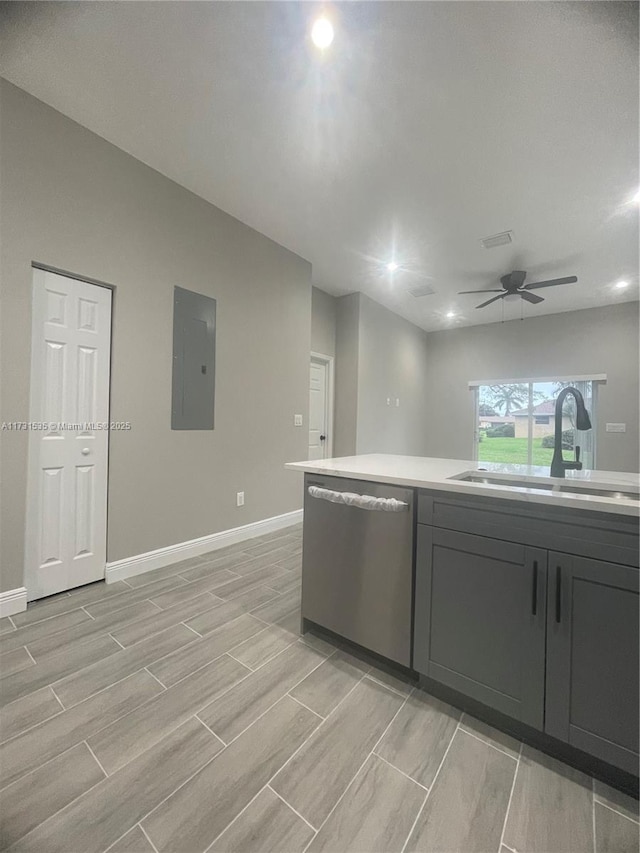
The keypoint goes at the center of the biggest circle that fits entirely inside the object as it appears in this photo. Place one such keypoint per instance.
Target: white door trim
(327, 360)
(70, 412)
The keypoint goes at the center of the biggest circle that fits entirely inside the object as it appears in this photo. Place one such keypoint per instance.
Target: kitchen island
(509, 593)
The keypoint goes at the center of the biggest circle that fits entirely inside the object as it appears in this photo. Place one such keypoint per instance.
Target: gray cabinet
(480, 614)
(592, 658)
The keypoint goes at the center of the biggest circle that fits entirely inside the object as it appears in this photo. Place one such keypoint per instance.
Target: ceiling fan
(513, 284)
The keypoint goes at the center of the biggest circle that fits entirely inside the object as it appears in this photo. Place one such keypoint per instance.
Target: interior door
(68, 441)
(318, 409)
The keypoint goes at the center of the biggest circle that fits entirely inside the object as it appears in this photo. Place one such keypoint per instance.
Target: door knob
(85, 451)
(322, 437)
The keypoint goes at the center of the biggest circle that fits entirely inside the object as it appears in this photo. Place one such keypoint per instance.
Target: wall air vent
(423, 290)
(497, 240)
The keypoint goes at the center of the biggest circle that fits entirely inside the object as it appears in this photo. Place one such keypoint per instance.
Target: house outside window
(515, 421)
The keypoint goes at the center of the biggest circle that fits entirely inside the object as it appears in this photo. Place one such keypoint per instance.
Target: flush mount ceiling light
(451, 315)
(620, 285)
(322, 33)
(392, 266)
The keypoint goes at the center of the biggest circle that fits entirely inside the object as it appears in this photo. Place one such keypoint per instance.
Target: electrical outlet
(388, 401)
(297, 420)
(240, 499)
(397, 402)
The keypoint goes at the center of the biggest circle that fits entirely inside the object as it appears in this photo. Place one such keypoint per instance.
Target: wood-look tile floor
(181, 711)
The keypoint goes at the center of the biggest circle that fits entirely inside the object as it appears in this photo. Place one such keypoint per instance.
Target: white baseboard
(13, 601)
(140, 563)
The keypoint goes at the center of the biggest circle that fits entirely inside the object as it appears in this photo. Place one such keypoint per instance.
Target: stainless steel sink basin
(629, 493)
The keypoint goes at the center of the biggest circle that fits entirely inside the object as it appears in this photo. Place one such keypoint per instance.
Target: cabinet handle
(558, 593)
(534, 591)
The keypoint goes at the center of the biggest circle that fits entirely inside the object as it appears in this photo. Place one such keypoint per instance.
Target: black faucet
(583, 422)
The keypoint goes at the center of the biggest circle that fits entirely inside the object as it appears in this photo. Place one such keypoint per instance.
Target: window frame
(595, 379)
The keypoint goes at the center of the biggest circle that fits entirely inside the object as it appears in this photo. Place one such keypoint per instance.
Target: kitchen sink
(602, 491)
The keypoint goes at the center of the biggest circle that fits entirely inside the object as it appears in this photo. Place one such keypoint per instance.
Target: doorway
(320, 406)
(66, 523)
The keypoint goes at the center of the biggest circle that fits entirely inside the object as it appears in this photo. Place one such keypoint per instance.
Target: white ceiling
(425, 126)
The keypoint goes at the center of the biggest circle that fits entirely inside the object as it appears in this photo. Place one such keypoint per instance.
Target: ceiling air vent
(423, 290)
(497, 240)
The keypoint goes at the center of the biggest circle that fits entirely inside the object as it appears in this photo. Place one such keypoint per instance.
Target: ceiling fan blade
(498, 290)
(517, 277)
(570, 279)
(531, 297)
(489, 301)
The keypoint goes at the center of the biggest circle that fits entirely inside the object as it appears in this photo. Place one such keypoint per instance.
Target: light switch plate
(616, 427)
(297, 420)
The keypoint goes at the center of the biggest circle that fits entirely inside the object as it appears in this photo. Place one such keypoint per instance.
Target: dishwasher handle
(368, 502)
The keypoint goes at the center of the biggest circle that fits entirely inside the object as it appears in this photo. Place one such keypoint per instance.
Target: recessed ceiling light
(451, 315)
(622, 284)
(392, 266)
(322, 33)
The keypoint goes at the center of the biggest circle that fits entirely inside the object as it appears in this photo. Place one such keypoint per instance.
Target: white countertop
(433, 473)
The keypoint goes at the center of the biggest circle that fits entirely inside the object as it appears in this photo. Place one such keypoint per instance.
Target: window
(515, 421)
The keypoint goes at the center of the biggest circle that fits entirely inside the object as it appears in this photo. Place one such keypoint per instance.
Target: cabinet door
(592, 658)
(480, 619)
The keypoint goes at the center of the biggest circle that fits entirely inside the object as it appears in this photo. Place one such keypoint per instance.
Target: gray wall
(379, 355)
(393, 363)
(73, 201)
(323, 322)
(346, 374)
(597, 340)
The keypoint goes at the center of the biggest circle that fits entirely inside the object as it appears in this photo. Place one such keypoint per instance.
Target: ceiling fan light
(512, 297)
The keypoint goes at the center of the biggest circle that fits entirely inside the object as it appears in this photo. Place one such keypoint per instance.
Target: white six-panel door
(319, 407)
(67, 486)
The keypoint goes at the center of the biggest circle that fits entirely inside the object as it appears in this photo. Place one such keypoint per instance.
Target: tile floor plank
(231, 780)
(134, 841)
(34, 798)
(79, 686)
(274, 611)
(375, 815)
(616, 800)
(98, 818)
(190, 589)
(14, 661)
(127, 737)
(246, 582)
(28, 711)
(243, 704)
(30, 633)
(110, 605)
(285, 583)
(6, 625)
(252, 598)
(160, 620)
(489, 735)
(263, 646)
(205, 623)
(267, 825)
(318, 775)
(46, 646)
(551, 807)
(29, 750)
(183, 662)
(467, 804)
(419, 736)
(55, 667)
(614, 832)
(328, 685)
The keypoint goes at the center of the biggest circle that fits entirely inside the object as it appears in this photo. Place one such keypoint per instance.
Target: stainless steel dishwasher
(357, 562)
